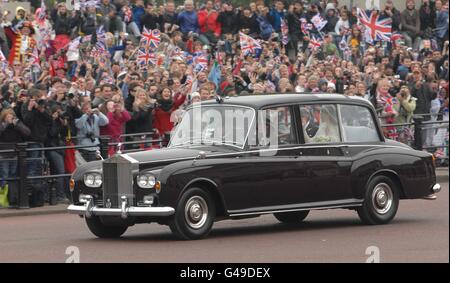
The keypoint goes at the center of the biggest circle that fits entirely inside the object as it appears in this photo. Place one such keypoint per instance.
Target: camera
(91, 136)
(170, 82)
(393, 91)
(403, 92)
(263, 77)
(41, 102)
(347, 74)
(70, 95)
(64, 115)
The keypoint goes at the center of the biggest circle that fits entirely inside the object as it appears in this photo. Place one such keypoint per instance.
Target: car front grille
(98, 202)
(117, 181)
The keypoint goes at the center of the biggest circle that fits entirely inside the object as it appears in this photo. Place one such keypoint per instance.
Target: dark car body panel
(295, 177)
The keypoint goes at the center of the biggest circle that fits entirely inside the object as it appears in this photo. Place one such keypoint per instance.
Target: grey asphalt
(419, 233)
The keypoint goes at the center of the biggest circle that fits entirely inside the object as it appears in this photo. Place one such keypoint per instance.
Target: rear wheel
(194, 215)
(380, 203)
(101, 230)
(291, 217)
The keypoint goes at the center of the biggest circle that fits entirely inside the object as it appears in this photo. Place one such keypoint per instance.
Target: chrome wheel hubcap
(196, 212)
(382, 198)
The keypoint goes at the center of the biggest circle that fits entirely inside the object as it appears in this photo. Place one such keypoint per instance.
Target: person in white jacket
(88, 126)
(342, 27)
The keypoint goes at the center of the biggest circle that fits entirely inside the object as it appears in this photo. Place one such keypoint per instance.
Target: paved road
(419, 233)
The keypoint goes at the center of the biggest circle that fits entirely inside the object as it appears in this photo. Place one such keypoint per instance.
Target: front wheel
(101, 230)
(380, 203)
(194, 215)
(291, 217)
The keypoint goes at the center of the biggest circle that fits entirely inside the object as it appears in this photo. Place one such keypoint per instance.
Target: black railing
(419, 127)
(21, 151)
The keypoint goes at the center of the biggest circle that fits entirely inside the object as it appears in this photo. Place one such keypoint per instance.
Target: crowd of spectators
(53, 94)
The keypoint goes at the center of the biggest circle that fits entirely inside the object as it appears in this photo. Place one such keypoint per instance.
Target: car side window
(275, 126)
(358, 124)
(320, 123)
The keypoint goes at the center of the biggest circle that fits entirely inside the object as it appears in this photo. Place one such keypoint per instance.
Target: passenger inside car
(328, 128)
(309, 126)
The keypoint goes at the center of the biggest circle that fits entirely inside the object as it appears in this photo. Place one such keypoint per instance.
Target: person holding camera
(12, 131)
(391, 12)
(57, 133)
(140, 106)
(88, 126)
(36, 116)
(405, 105)
(117, 115)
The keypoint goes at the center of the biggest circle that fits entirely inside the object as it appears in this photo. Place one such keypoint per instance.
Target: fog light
(148, 200)
(84, 198)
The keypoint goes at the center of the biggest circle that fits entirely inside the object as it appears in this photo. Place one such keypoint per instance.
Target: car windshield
(213, 125)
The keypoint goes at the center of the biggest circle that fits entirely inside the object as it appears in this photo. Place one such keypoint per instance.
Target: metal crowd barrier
(21, 150)
(419, 126)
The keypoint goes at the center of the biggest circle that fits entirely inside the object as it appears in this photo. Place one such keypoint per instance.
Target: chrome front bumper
(89, 210)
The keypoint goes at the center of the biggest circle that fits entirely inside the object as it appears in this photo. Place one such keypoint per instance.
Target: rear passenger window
(320, 123)
(358, 124)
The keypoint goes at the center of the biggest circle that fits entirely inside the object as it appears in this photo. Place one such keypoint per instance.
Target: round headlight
(93, 180)
(146, 181)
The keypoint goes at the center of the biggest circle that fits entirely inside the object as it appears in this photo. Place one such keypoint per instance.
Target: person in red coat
(117, 116)
(209, 26)
(22, 41)
(162, 121)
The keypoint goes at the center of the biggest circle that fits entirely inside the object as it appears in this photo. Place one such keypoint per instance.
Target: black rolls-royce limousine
(232, 158)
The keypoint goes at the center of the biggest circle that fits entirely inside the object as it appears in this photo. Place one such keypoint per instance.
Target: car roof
(264, 100)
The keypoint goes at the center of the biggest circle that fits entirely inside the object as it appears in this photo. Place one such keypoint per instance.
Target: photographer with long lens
(36, 116)
(56, 137)
(405, 105)
(88, 126)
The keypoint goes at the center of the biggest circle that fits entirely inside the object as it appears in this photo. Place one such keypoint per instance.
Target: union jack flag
(144, 57)
(127, 14)
(151, 38)
(396, 37)
(75, 43)
(86, 38)
(100, 44)
(305, 26)
(177, 52)
(377, 28)
(314, 42)
(319, 22)
(33, 58)
(101, 34)
(249, 45)
(200, 61)
(98, 52)
(45, 36)
(43, 12)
